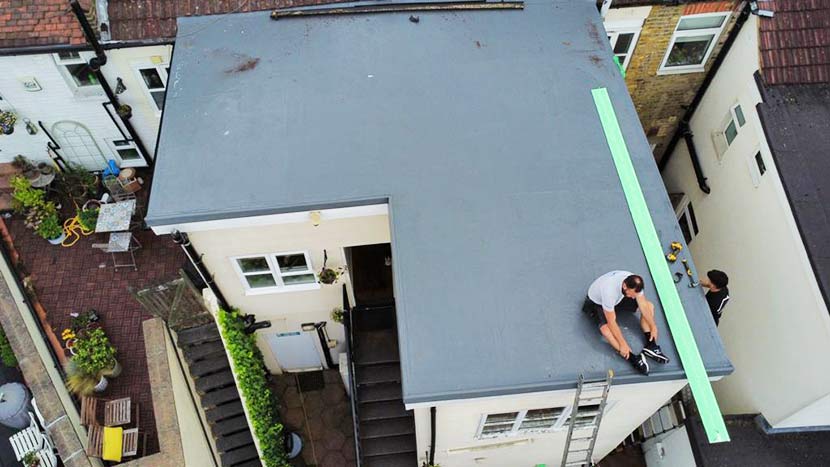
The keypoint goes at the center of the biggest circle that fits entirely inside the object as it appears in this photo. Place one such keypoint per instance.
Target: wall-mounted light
(315, 217)
(119, 86)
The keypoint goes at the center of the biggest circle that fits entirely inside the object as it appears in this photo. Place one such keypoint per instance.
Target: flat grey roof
(479, 129)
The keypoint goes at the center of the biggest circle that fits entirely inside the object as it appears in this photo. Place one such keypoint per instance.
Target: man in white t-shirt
(622, 291)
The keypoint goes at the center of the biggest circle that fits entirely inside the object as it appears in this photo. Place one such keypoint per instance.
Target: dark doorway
(370, 268)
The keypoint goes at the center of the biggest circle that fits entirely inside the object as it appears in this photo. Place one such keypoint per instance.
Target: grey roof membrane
(479, 129)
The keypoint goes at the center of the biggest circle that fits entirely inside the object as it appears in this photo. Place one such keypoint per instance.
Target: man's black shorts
(592, 309)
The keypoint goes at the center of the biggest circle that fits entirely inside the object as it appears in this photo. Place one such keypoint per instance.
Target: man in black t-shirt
(718, 294)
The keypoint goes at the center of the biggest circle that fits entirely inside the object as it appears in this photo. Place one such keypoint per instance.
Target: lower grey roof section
(796, 121)
(480, 130)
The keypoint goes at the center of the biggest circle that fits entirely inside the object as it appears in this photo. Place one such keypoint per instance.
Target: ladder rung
(576, 450)
(577, 463)
(598, 398)
(594, 384)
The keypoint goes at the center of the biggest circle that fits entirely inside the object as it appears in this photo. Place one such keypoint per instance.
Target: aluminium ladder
(586, 414)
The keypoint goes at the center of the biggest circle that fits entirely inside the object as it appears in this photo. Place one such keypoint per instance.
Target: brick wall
(661, 100)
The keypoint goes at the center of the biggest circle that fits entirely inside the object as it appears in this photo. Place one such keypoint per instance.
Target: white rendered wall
(288, 310)
(457, 424)
(776, 328)
(671, 449)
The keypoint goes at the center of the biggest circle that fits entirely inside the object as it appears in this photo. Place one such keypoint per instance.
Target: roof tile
(39, 22)
(795, 43)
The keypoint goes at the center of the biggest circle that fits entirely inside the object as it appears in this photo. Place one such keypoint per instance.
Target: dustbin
(14, 405)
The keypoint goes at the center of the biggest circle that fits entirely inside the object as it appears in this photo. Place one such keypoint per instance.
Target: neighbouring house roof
(479, 129)
(156, 19)
(630, 3)
(796, 121)
(795, 43)
(39, 22)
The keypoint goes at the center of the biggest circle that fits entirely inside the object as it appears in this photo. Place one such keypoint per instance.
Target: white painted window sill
(680, 71)
(279, 290)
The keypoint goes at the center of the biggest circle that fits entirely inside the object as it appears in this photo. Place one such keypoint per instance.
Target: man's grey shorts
(595, 311)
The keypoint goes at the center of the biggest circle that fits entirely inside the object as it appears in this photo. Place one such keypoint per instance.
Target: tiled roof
(795, 43)
(156, 19)
(38, 22)
(628, 3)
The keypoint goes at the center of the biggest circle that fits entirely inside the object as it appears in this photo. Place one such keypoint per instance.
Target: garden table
(115, 217)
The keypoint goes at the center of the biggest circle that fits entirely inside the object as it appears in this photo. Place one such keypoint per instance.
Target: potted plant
(50, 229)
(125, 111)
(30, 459)
(88, 218)
(330, 276)
(81, 383)
(337, 315)
(95, 355)
(7, 119)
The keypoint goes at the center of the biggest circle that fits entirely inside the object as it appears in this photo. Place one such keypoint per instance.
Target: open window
(74, 67)
(692, 43)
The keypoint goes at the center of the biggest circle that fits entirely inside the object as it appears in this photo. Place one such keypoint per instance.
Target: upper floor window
(622, 43)
(693, 40)
(524, 421)
(154, 81)
(79, 75)
(729, 129)
(276, 272)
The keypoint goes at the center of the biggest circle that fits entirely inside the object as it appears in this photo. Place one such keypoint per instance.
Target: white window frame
(754, 170)
(716, 32)
(280, 287)
(719, 138)
(514, 430)
(614, 34)
(161, 69)
(682, 211)
(93, 90)
(111, 143)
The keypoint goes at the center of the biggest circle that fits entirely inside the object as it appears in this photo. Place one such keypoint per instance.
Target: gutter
(96, 63)
(683, 130)
(55, 48)
(181, 239)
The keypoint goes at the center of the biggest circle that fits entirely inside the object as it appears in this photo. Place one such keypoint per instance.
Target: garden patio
(61, 280)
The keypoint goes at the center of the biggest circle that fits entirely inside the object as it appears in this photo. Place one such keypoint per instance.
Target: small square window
(126, 150)
(759, 161)
(739, 115)
(731, 132)
(154, 80)
(69, 56)
(82, 74)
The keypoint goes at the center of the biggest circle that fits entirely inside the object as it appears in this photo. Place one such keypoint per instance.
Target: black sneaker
(654, 352)
(639, 363)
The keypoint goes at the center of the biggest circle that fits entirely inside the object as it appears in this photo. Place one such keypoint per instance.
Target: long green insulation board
(675, 315)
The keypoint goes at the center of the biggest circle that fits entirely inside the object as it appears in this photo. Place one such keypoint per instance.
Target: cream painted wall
(288, 310)
(671, 449)
(124, 64)
(457, 424)
(776, 328)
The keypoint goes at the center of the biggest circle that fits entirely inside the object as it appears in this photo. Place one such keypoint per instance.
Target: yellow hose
(73, 229)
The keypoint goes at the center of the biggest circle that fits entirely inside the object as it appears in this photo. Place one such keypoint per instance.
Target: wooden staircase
(387, 429)
(208, 364)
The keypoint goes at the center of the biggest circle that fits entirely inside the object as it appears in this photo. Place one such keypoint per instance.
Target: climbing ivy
(251, 378)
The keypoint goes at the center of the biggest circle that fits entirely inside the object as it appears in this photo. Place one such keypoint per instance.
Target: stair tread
(202, 351)
(220, 396)
(379, 392)
(192, 336)
(230, 425)
(388, 445)
(381, 410)
(408, 459)
(208, 383)
(378, 373)
(387, 427)
(206, 367)
(237, 456)
(250, 463)
(234, 441)
(223, 411)
(376, 347)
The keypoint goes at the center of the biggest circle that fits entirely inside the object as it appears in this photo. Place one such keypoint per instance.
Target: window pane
(496, 429)
(623, 43)
(257, 281)
(540, 419)
(301, 279)
(739, 114)
(158, 97)
(501, 418)
(69, 55)
(258, 264)
(152, 78)
(760, 161)
(292, 263)
(693, 218)
(82, 74)
(684, 226)
(129, 154)
(731, 132)
(704, 22)
(689, 50)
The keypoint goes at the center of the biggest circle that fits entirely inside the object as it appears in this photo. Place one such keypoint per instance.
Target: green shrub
(6, 353)
(50, 227)
(24, 196)
(94, 354)
(88, 218)
(251, 378)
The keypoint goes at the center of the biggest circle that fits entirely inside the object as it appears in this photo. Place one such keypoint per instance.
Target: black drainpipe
(432, 417)
(95, 64)
(181, 239)
(683, 130)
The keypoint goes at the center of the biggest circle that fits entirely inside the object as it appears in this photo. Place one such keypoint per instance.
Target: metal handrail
(347, 324)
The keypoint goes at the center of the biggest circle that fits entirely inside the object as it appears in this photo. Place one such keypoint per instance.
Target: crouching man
(622, 292)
